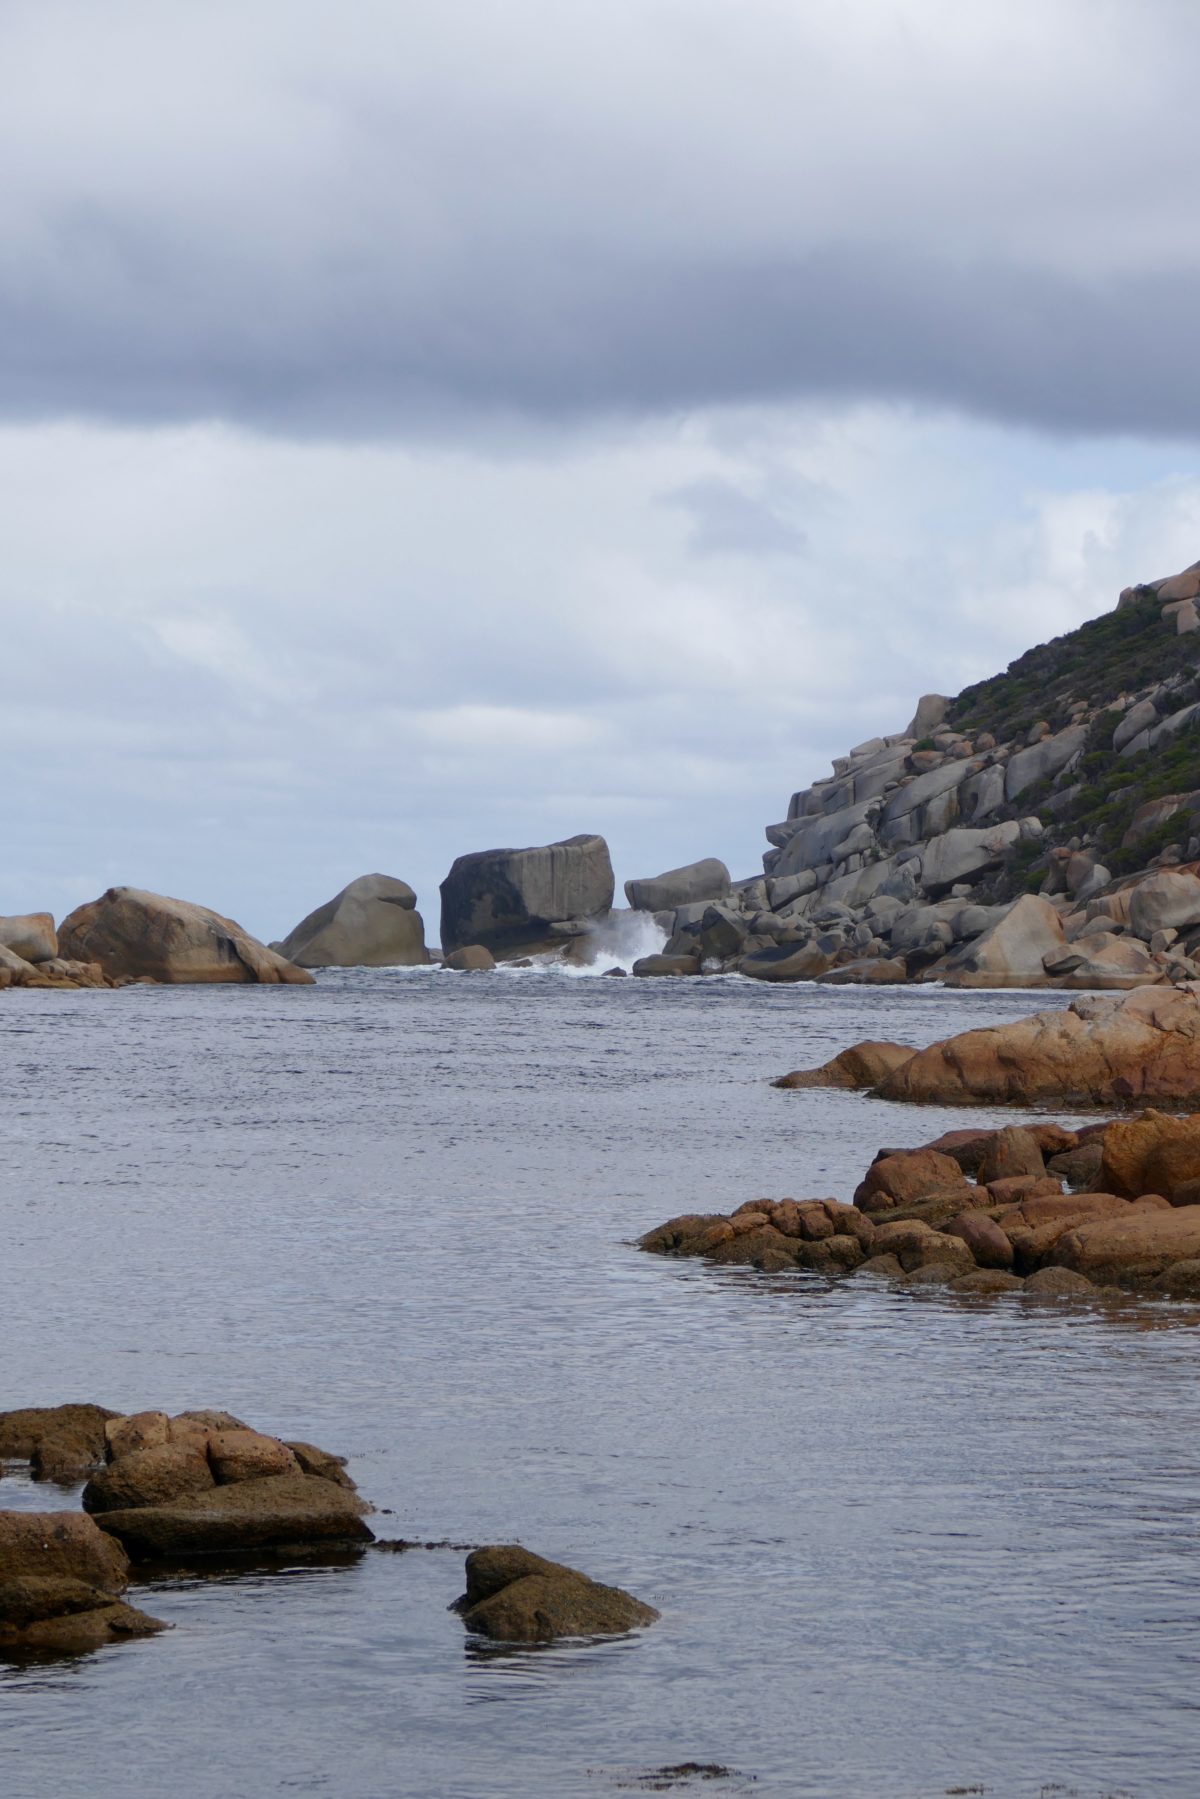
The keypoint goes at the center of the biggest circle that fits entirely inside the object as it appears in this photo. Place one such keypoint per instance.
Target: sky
(432, 427)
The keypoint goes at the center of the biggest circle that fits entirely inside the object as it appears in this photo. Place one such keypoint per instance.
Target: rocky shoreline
(1108, 1211)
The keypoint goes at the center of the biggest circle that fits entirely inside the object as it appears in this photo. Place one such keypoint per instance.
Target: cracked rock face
(515, 902)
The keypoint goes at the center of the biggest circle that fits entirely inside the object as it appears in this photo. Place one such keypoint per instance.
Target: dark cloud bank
(401, 219)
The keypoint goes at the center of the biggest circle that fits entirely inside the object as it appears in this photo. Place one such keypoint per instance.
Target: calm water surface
(901, 1544)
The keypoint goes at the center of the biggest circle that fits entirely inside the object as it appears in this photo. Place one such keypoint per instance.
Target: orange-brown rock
(1053, 1139)
(1042, 1208)
(917, 1245)
(861, 1066)
(988, 1244)
(1152, 1153)
(137, 1430)
(1058, 1283)
(1132, 1250)
(61, 1442)
(237, 1455)
(1013, 1150)
(152, 1476)
(1079, 1167)
(61, 1546)
(1015, 1188)
(967, 1147)
(908, 1175)
(135, 935)
(1101, 1050)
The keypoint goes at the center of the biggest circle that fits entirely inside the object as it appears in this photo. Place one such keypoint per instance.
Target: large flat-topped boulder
(517, 901)
(1132, 1247)
(706, 880)
(274, 1511)
(135, 935)
(372, 923)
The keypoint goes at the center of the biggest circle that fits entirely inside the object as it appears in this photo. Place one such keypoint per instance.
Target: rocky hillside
(1006, 837)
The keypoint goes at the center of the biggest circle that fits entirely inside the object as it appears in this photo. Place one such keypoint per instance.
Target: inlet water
(902, 1543)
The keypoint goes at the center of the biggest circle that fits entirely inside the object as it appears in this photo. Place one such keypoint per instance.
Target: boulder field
(1030, 1208)
(985, 845)
(1103, 1050)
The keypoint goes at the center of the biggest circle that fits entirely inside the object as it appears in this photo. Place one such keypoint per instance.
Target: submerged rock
(515, 1596)
(861, 1066)
(471, 959)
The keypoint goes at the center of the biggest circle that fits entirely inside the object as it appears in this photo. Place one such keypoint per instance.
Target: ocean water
(903, 1544)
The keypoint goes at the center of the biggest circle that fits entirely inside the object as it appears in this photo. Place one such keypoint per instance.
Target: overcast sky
(431, 426)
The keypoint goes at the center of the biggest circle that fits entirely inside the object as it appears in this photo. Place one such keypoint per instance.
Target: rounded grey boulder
(372, 923)
(705, 880)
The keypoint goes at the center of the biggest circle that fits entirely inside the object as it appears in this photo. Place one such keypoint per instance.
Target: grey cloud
(365, 234)
(1019, 344)
(727, 521)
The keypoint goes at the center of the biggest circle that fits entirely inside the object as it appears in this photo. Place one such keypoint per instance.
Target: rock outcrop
(1100, 1051)
(372, 923)
(200, 1482)
(920, 1219)
(204, 1483)
(60, 1586)
(135, 935)
(981, 849)
(518, 902)
(161, 1488)
(514, 1596)
(60, 1442)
